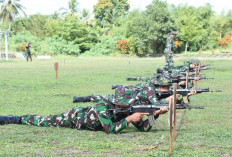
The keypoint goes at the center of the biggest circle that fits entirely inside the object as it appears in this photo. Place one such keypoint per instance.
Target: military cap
(163, 80)
(175, 73)
(172, 32)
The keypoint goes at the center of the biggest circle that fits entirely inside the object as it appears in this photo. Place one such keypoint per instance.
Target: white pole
(6, 46)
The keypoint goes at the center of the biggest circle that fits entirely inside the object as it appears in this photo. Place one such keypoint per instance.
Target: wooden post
(170, 125)
(196, 76)
(174, 112)
(187, 75)
(56, 68)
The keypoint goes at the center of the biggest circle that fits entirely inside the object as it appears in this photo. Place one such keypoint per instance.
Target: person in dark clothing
(28, 52)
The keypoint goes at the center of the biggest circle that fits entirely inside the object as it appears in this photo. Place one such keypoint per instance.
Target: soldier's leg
(171, 62)
(66, 119)
(10, 120)
(166, 61)
(91, 98)
(30, 57)
(27, 57)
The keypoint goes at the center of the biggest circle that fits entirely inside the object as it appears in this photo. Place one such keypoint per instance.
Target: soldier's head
(172, 34)
(175, 74)
(163, 83)
(190, 65)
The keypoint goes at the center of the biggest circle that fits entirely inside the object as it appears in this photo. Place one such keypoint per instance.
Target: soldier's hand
(135, 117)
(192, 66)
(182, 83)
(169, 54)
(192, 92)
(161, 111)
(168, 98)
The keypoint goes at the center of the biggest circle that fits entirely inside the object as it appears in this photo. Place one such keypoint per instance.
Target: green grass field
(32, 88)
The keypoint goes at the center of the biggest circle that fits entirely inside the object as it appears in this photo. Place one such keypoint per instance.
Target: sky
(50, 6)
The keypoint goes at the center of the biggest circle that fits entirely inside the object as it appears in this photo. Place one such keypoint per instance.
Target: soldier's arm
(144, 125)
(108, 125)
(150, 94)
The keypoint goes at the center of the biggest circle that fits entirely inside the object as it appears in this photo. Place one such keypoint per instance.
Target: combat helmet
(163, 80)
(175, 73)
(172, 32)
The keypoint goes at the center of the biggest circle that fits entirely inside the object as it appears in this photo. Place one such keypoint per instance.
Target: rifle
(189, 78)
(205, 65)
(184, 73)
(148, 108)
(184, 92)
(204, 68)
(116, 86)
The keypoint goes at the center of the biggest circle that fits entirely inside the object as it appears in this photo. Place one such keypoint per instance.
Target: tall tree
(150, 28)
(190, 29)
(221, 24)
(85, 16)
(10, 10)
(108, 12)
(73, 6)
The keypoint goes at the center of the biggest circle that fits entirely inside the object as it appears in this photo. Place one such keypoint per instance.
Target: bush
(55, 45)
(106, 46)
(17, 42)
(50, 45)
(224, 42)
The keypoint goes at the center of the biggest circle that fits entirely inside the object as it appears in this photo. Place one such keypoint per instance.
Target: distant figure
(28, 52)
(168, 52)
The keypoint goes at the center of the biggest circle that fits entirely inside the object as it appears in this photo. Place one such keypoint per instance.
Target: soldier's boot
(10, 120)
(81, 99)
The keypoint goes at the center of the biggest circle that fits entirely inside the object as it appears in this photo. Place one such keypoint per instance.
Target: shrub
(106, 46)
(224, 42)
(55, 45)
(122, 45)
(17, 42)
(50, 45)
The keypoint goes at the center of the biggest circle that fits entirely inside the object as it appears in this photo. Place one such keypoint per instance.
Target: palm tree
(10, 9)
(73, 6)
(85, 16)
(72, 9)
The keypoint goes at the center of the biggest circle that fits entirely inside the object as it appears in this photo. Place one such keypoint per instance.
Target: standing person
(28, 52)
(168, 51)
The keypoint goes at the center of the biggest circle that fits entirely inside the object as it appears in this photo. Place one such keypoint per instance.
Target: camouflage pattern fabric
(144, 95)
(169, 50)
(95, 118)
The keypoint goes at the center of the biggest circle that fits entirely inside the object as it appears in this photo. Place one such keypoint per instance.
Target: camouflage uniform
(169, 50)
(90, 118)
(144, 93)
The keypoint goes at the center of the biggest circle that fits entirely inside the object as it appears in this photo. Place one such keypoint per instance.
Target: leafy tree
(35, 24)
(190, 29)
(10, 10)
(72, 8)
(149, 29)
(108, 12)
(221, 24)
(85, 17)
(209, 35)
(72, 30)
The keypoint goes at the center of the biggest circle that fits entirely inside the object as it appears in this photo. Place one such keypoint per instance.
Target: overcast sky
(50, 6)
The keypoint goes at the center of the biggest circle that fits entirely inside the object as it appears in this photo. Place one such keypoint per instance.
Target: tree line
(113, 28)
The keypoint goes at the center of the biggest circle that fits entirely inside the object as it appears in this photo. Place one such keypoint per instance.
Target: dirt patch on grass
(71, 151)
(54, 142)
(62, 94)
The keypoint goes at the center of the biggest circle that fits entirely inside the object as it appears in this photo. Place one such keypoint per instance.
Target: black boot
(81, 99)
(10, 120)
